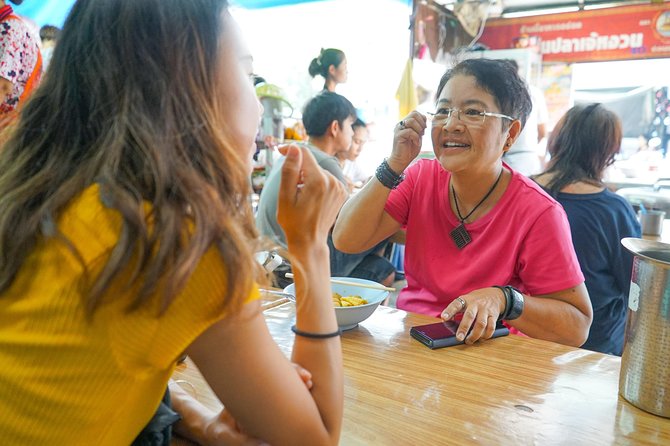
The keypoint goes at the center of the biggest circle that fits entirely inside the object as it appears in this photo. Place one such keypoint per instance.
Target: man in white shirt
(527, 153)
(352, 170)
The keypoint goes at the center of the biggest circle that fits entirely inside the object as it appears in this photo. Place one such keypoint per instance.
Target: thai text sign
(627, 32)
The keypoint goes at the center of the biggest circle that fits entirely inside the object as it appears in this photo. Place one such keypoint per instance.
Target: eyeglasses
(470, 116)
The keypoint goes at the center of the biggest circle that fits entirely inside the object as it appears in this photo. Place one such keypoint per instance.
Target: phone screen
(439, 330)
(443, 334)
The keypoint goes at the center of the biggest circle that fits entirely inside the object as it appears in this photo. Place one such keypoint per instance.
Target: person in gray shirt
(328, 119)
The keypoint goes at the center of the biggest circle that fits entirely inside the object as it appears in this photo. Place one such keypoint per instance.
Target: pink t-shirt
(524, 241)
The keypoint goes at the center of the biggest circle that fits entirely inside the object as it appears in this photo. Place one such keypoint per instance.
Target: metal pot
(651, 197)
(645, 363)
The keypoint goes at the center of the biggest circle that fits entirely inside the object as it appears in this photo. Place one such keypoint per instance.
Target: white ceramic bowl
(349, 317)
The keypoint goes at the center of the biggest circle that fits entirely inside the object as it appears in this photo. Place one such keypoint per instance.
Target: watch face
(517, 304)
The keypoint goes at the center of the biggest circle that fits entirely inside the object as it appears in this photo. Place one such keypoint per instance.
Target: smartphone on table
(443, 334)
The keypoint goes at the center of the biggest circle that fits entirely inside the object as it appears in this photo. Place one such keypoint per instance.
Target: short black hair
(514, 63)
(501, 80)
(358, 123)
(323, 109)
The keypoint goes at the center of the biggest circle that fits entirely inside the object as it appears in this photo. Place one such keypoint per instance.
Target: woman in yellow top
(127, 237)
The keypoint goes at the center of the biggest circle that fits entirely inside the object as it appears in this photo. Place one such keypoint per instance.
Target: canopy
(47, 12)
(54, 12)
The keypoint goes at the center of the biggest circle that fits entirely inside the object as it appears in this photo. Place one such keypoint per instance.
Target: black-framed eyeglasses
(471, 116)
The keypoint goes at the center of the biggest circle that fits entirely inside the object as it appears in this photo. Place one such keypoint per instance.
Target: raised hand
(309, 198)
(407, 137)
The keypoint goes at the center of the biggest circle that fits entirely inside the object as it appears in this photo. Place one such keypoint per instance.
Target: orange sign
(626, 32)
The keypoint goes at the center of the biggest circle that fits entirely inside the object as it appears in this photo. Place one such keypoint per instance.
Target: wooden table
(512, 390)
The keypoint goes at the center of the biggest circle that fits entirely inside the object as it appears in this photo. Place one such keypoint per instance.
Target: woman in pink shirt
(484, 243)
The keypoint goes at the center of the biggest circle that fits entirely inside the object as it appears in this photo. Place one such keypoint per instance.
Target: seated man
(352, 171)
(328, 119)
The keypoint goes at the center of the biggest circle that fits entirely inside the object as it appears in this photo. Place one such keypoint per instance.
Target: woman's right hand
(407, 137)
(309, 198)
(481, 309)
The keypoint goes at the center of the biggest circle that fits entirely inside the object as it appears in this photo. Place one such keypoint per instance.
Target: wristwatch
(516, 307)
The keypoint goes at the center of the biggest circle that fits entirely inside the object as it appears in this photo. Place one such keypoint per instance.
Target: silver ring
(402, 124)
(462, 302)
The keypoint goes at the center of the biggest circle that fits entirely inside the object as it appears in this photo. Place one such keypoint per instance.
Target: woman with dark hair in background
(482, 239)
(127, 238)
(331, 64)
(20, 62)
(581, 146)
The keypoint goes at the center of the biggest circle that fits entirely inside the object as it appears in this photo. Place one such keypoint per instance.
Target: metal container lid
(657, 252)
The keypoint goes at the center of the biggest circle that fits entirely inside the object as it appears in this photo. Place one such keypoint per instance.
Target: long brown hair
(583, 143)
(131, 101)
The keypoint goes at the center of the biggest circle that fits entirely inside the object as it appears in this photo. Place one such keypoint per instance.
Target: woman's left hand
(481, 309)
(304, 374)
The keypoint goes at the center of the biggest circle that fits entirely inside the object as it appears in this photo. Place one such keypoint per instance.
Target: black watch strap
(517, 302)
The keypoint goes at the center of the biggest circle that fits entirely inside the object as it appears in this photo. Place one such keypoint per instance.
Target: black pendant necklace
(460, 235)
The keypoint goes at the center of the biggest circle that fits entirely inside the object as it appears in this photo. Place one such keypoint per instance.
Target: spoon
(288, 296)
(285, 298)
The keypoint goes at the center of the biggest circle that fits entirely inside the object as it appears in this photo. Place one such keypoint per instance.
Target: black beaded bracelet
(306, 334)
(387, 176)
(508, 301)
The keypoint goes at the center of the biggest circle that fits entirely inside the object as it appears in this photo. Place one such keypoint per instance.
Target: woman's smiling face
(459, 146)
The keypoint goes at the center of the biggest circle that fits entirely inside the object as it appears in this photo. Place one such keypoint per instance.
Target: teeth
(454, 144)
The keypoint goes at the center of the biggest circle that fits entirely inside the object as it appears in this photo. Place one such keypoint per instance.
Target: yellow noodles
(348, 301)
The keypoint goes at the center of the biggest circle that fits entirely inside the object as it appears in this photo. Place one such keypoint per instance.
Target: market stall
(618, 56)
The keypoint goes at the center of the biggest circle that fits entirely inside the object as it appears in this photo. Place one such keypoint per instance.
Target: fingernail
(460, 336)
(445, 316)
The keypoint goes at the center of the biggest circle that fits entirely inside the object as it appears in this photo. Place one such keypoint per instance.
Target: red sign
(626, 32)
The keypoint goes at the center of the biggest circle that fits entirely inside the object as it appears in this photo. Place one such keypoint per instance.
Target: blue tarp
(46, 12)
(54, 12)
(257, 4)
